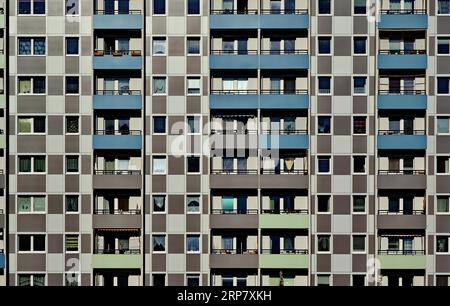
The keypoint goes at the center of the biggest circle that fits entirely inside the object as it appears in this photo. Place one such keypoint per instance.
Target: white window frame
(77, 275)
(353, 45)
(32, 85)
(165, 243)
(199, 202)
(200, 9)
(365, 88)
(32, 9)
(365, 243)
(199, 164)
(366, 164)
(160, 38)
(32, 234)
(448, 243)
(353, 202)
(331, 46)
(32, 196)
(437, 10)
(199, 235)
(436, 164)
(32, 172)
(199, 38)
(330, 204)
(33, 117)
(153, 124)
(65, 125)
(331, 164)
(79, 246)
(65, 85)
(196, 275)
(65, 204)
(331, 8)
(65, 163)
(437, 85)
(194, 77)
(199, 124)
(77, 5)
(437, 44)
(353, 125)
(441, 196)
(165, 203)
(353, 9)
(32, 37)
(166, 84)
(436, 127)
(153, 9)
(331, 85)
(157, 156)
(65, 45)
(32, 274)
(331, 124)
(317, 243)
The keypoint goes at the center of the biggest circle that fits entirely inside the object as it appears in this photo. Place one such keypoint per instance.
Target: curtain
(24, 204)
(227, 243)
(39, 46)
(159, 85)
(124, 126)
(38, 85)
(394, 204)
(227, 85)
(24, 280)
(109, 7)
(159, 203)
(289, 164)
(159, 165)
(242, 46)
(72, 164)
(407, 245)
(194, 124)
(242, 204)
(24, 46)
(124, 86)
(227, 164)
(444, 7)
(274, 244)
(442, 204)
(72, 203)
(24, 164)
(443, 125)
(194, 86)
(289, 243)
(275, 46)
(39, 203)
(124, 245)
(324, 243)
(159, 243)
(288, 203)
(38, 280)
(289, 124)
(275, 85)
(72, 243)
(289, 46)
(24, 85)
(227, 203)
(25, 125)
(242, 85)
(193, 243)
(394, 125)
(124, 164)
(110, 165)
(159, 46)
(275, 204)
(394, 4)
(241, 164)
(228, 5)
(409, 5)
(124, 6)
(123, 44)
(228, 46)
(289, 6)
(443, 46)
(39, 7)
(193, 204)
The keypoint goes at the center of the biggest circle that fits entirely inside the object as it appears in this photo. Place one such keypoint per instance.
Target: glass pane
(39, 164)
(159, 6)
(24, 164)
(159, 46)
(443, 125)
(39, 46)
(72, 203)
(159, 243)
(24, 46)
(39, 7)
(227, 203)
(39, 203)
(24, 204)
(193, 6)
(443, 85)
(159, 85)
(124, 6)
(442, 204)
(24, 85)
(39, 85)
(193, 203)
(25, 125)
(24, 6)
(72, 45)
(193, 243)
(123, 44)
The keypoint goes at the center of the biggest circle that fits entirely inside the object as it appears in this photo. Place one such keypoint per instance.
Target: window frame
(66, 78)
(32, 13)
(158, 234)
(330, 243)
(448, 244)
(33, 117)
(32, 77)
(166, 83)
(78, 243)
(199, 9)
(331, 124)
(65, 204)
(330, 164)
(195, 235)
(65, 127)
(353, 125)
(437, 127)
(162, 212)
(32, 170)
(325, 14)
(448, 200)
(32, 234)
(199, 164)
(66, 163)
(162, 157)
(365, 93)
(32, 38)
(353, 204)
(437, 45)
(32, 197)
(354, 7)
(165, 124)
(189, 195)
(159, 38)
(66, 45)
(365, 164)
(318, 85)
(437, 10)
(196, 38)
(199, 116)
(354, 38)
(165, 8)
(437, 85)
(194, 77)
(330, 204)
(353, 243)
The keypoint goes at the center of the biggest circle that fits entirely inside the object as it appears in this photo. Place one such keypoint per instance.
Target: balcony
(2, 218)
(287, 59)
(120, 59)
(117, 259)
(401, 98)
(232, 219)
(2, 98)
(284, 139)
(286, 259)
(273, 179)
(2, 139)
(233, 19)
(2, 260)
(401, 140)
(115, 20)
(234, 59)
(402, 259)
(2, 179)
(2, 59)
(117, 179)
(402, 179)
(238, 259)
(233, 178)
(117, 140)
(117, 99)
(2, 18)
(403, 19)
(284, 99)
(409, 220)
(233, 99)
(402, 59)
(284, 19)
(290, 219)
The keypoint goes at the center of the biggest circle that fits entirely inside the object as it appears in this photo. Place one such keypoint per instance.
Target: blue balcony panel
(402, 142)
(288, 61)
(118, 62)
(284, 21)
(2, 261)
(118, 102)
(117, 22)
(229, 61)
(397, 21)
(284, 101)
(117, 142)
(402, 102)
(406, 61)
(233, 101)
(231, 21)
(276, 141)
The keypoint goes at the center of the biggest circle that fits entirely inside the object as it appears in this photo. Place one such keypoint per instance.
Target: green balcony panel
(2, 21)
(402, 261)
(2, 101)
(2, 61)
(116, 261)
(284, 261)
(284, 221)
(2, 141)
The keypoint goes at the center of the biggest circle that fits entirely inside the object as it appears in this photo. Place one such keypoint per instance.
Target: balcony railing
(401, 132)
(281, 52)
(284, 91)
(401, 172)
(233, 132)
(401, 252)
(402, 212)
(117, 172)
(285, 251)
(285, 211)
(234, 171)
(285, 132)
(234, 211)
(118, 12)
(404, 11)
(234, 52)
(1, 211)
(402, 91)
(235, 92)
(284, 11)
(118, 132)
(117, 212)
(117, 52)
(233, 12)
(234, 251)
(284, 171)
(117, 251)
(121, 92)
(402, 52)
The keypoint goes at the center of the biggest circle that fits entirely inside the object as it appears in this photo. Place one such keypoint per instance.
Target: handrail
(285, 251)
(283, 212)
(120, 92)
(401, 132)
(117, 212)
(284, 171)
(234, 171)
(233, 12)
(401, 91)
(117, 251)
(285, 132)
(401, 212)
(234, 92)
(118, 132)
(401, 52)
(233, 132)
(284, 11)
(234, 211)
(234, 252)
(401, 252)
(404, 172)
(278, 52)
(118, 12)
(284, 91)
(234, 52)
(118, 52)
(404, 11)
(117, 172)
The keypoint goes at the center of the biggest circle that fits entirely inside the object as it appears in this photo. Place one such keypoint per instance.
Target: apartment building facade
(225, 142)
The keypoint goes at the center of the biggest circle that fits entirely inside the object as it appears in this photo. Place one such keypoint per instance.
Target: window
(359, 125)
(31, 125)
(443, 125)
(72, 7)
(159, 280)
(193, 164)
(359, 243)
(442, 164)
(359, 7)
(31, 164)
(443, 85)
(72, 279)
(31, 85)
(193, 7)
(72, 164)
(30, 204)
(359, 164)
(159, 124)
(193, 280)
(72, 125)
(324, 85)
(71, 203)
(359, 85)
(31, 243)
(442, 244)
(323, 280)
(193, 45)
(72, 243)
(159, 243)
(159, 165)
(359, 204)
(28, 7)
(26, 280)
(443, 204)
(358, 280)
(72, 45)
(323, 203)
(159, 203)
(193, 85)
(193, 204)
(159, 46)
(193, 123)
(31, 45)
(324, 164)
(324, 125)
(443, 6)
(72, 85)
(159, 86)
(323, 243)
(324, 7)
(324, 45)
(192, 243)
(443, 45)
(359, 45)
(159, 7)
